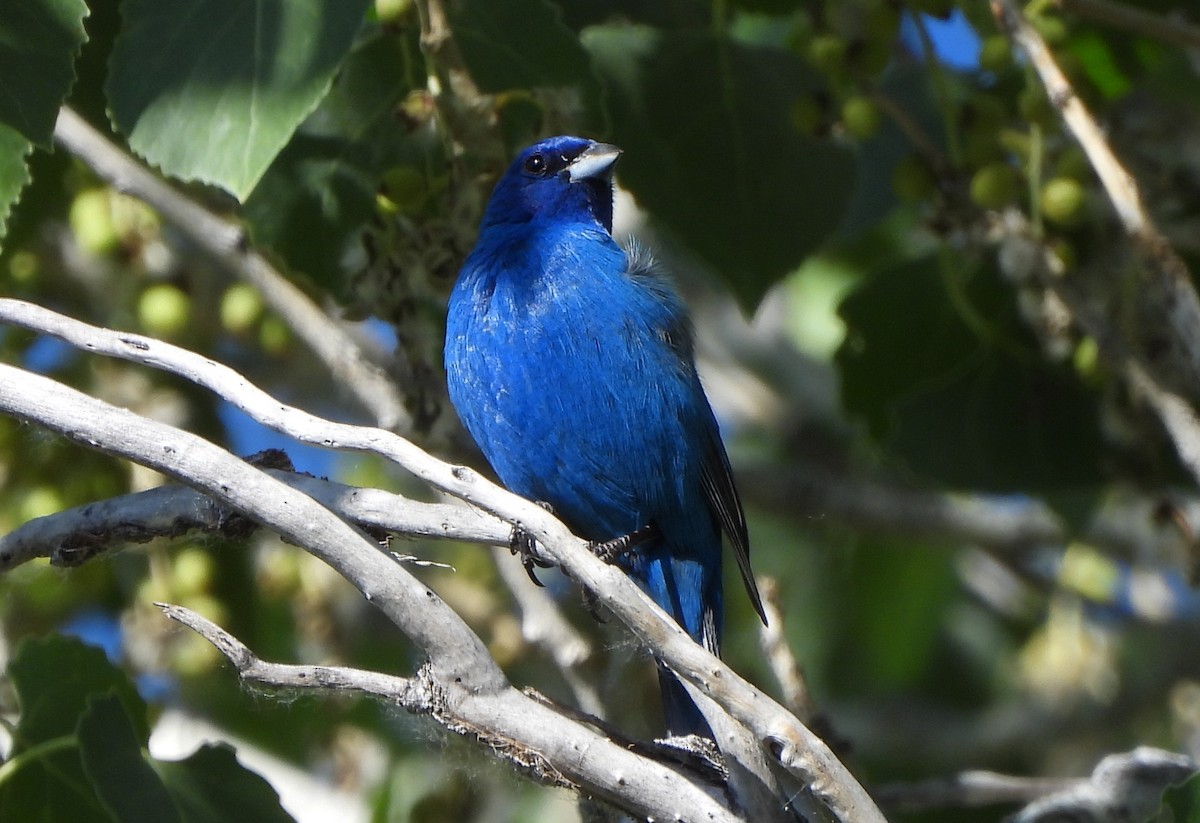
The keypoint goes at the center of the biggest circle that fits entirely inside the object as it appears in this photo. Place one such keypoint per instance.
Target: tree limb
(227, 243)
(1166, 292)
(73, 536)
(794, 746)
(467, 691)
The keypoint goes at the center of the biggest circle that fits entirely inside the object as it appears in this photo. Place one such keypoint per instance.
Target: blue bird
(569, 360)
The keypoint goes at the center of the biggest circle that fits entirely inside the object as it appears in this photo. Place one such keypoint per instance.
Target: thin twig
(969, 790)
(227, 243)
(1168, 283)
(779, 654)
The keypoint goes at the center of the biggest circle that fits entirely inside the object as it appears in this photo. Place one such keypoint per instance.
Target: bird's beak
(596, 160)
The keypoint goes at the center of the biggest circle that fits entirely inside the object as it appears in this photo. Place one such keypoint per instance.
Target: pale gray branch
(227, 243)
(968, 790)
(1165, 292)
(1122, 787)
(795, 747)
(73, 536)
(470, 695)
(527, 733)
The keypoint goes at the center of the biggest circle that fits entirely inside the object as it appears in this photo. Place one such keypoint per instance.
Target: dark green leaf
(14, 173)
(896, 641)
(321, 190)
(213, 89)
(712, 154)
(54, 676)
(112, 757)
(956, 392)
(39, 40)
(211, 786)
(517, 44)
(1181, 804)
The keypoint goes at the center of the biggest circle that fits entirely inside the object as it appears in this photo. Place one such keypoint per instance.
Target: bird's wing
(717, 479)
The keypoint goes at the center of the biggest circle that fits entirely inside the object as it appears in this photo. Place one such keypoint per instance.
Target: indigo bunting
(569, 360)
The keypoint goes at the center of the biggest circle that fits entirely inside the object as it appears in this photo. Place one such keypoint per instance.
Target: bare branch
(467, 691)
(74, 536)
(227, 243)
(779, 653)
(1126, 786)
(795, 747)
(969, 790)
(1166, 289)
(527, 733)
(543, 625)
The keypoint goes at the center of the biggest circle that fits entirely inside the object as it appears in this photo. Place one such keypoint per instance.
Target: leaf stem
(35, 753)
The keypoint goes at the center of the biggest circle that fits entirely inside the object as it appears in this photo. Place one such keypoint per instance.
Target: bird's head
(562, 179)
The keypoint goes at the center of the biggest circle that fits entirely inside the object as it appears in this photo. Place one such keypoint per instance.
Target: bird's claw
(522, 543)
(610, 550)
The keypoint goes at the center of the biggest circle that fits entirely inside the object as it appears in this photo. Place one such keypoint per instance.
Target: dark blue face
(562, 179)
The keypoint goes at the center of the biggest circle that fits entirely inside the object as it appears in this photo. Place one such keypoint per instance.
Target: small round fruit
(995, 185)
(827, 52)
(163, 309)
(1063, 201)
(995, 54)
(91, 220)
(392, 11)
(861, 117)
(241, 308)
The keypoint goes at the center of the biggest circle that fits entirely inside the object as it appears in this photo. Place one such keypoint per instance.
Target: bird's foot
(523, 543)
(697, 752)
(610, 550)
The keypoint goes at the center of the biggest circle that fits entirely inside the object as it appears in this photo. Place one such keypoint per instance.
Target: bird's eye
(535, 164)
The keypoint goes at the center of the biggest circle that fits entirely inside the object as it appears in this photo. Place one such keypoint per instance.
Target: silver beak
(596, 160)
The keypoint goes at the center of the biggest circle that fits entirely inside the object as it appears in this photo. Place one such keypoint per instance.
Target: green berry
(995, 54)
(827, 52)
(191, 573)
(392, 11)
(994, 186)
(1063, 201)
(861, 117)
(91, 220)
(1035, 107)
(241, 308)
(163, 310)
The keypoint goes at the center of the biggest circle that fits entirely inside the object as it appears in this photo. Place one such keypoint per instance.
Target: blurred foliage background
(983, 539)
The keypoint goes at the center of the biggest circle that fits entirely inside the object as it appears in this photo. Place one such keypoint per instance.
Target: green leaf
(212, 787)
(112, 757)
(896, 644)
(212, 90)
(1181, 804)
(954, 389)
(39, 40)
(517, 44)
(14, 173)
(321, 189)
(711, 153)
(53, 677)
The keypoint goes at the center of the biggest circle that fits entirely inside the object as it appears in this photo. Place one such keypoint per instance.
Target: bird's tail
(681, 713)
